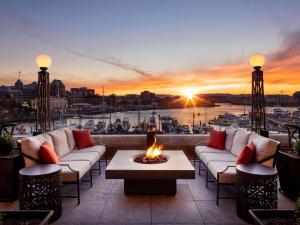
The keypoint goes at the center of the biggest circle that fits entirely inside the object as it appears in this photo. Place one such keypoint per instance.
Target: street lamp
(43, 95)
(258, 120)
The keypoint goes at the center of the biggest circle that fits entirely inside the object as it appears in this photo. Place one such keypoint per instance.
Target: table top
(257, 169)
(122, 166)
(42, 169)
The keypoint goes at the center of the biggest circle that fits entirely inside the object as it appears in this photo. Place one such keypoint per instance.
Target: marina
(197, 120)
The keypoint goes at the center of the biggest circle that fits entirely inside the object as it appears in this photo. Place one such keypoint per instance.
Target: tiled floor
(105, 203)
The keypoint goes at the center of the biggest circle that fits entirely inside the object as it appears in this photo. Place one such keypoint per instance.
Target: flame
(154, 150)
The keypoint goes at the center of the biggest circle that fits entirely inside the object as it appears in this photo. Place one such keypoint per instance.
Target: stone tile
(125, 223)
(183, 193)
(99, 192)
(118, 193)
(281, 196)
(127, 210)
(224, 213)
(177, 223)
(86, 212)
(286, 204)
(175, 211)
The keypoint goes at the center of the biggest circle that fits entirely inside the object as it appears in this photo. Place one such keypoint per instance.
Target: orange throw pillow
(217, 139)
(83, 138)
(47, 154)
(246, 155)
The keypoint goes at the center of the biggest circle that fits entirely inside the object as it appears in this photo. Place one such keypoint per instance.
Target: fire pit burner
(142, 158)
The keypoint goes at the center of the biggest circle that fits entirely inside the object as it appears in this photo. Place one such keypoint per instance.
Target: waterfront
(183, 116)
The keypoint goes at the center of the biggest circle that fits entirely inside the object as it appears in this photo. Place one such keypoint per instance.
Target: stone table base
(149, 187)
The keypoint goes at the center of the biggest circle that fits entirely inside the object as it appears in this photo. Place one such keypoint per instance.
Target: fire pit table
(152, 178)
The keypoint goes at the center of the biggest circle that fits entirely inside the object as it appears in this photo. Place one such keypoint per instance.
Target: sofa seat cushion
(31, 146)
(202, 149)
(75, 155)
(227, 177)
(70, 137)
(68, 175)
(240, 139)
(264, 147)
(100, 149)
(60, 142)
(207, 158)
(230, 132)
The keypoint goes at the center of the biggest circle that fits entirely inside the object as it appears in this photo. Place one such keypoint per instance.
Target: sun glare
(189, 93)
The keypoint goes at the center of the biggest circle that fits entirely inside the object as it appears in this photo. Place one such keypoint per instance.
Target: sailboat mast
(103, 103)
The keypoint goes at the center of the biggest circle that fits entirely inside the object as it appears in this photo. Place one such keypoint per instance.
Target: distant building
(30, 91)
(147, 97)
(82, 92)
(57, 88)
(18, 85)
(56, 103)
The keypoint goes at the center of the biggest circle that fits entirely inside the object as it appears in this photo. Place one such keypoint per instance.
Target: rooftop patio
(105, 203)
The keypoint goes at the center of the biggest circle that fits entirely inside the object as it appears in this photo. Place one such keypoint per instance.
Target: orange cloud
(281, 72)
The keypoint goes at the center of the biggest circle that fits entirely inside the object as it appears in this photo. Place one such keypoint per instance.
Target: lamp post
(258, 120)
(43, 94)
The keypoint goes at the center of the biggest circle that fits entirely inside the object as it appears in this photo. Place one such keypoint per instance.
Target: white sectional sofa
(220, 164)
(75, 164)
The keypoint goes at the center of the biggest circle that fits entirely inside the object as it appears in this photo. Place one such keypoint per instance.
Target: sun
(189, 93)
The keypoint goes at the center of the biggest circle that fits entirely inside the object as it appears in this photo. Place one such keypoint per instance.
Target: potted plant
(296, 146)
(6, 144)
(276, 216)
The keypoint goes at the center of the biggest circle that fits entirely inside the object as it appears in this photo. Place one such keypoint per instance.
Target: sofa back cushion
(47, 154)
(83, 138)
(240, 139)
(217, 139)
(265, 147)
(70, 137)
(230, 132)
(31, 146)
(60, 142)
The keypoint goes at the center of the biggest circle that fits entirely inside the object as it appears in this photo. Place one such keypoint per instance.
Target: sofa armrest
(226, 169)
(67, 165)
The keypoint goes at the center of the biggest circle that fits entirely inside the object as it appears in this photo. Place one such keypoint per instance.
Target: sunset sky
(163, 46)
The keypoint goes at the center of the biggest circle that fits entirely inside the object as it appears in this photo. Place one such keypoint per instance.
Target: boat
(152, 121)
(183, 129)
(89, 124)
(229, 119)
(168, 124)
(278, 111)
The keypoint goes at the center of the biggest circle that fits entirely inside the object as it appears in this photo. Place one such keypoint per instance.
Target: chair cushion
(68, 175)
(207, 158)
(240, 139)
(100, 149)
(217, 139)
(264, 147)
(246, 155)
(31, 146)
(230, 132)
(202, 149)
(83, 138)
(60, 142)
(227, 177)
(70, 137)
(47, 154)
(75, 155)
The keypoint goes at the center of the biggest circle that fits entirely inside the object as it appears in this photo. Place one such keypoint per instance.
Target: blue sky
(158, 37)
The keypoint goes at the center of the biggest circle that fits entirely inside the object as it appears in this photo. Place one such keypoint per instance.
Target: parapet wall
(183, 142)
